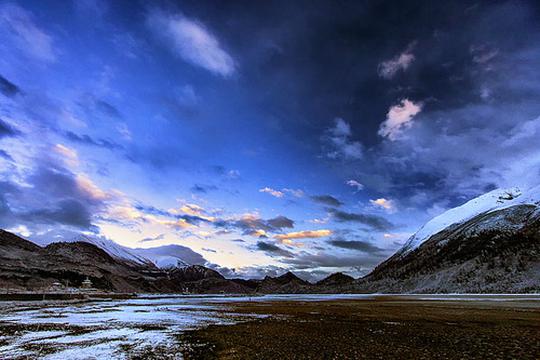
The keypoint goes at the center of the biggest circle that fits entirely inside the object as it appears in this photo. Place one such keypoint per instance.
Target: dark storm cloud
(359, 245)
(273, 250)
(52, 196)
(7, 130)
(88, 140)
(326, 200)
(8, 88)
(66, 212)
(373, 221)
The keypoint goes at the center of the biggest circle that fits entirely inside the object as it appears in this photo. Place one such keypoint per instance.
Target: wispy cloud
(373, 221)
(356, 184)
(281, 193)
(339, 139)
(273, 192)
(399, 118)
(306, 234)
(192, 41)
(388, 69)
(28, 36)
(359, 245)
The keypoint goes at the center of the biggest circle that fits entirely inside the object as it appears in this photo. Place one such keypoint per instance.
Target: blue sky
(284, 135)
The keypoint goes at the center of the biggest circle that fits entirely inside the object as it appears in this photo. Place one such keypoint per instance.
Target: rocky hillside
(287, 283)
(27, 266)
(494, 251)
(336, 279)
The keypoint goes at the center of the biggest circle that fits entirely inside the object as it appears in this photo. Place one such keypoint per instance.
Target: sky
(311, 136)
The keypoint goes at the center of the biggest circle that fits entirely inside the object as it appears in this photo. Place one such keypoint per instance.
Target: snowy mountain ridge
(163, 257)
(497, 199)
(112, 248)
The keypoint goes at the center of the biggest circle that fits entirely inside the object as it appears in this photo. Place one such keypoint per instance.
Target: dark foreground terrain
(374, 329)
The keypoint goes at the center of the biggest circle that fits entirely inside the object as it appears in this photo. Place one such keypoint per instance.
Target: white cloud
(273, 192)
(385, 204)
(388, 69)
(19, 23)
(294, 192)
(192, 41)
(399, 118)
(355, 184)
(340, 139)
(281, 193)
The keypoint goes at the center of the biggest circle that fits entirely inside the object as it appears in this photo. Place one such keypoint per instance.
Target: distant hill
(25, 266)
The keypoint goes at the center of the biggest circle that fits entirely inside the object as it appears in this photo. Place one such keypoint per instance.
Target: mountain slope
(170, 256)
(495, 200)
(492, 246)
(164, 257)
(336, 279)
(25, 266)
(287, 283)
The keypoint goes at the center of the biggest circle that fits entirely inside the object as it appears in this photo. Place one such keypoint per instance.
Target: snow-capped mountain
(164, 257)
(494, 200)
(110, 247)
(170, 256)
(489, 244)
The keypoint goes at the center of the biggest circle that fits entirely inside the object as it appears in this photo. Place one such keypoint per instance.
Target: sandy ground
(386, 328)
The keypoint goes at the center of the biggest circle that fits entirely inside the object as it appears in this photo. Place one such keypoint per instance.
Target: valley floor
(274, 327)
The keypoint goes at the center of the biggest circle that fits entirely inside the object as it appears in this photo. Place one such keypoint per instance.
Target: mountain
(164, 257)
(170, 256)
(490, 244)
(336, 279)
(494, 200)
(113, 249)
(26, 266)
(287, 283)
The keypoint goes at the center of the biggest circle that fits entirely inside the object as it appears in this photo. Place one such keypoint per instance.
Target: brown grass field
(386, 328)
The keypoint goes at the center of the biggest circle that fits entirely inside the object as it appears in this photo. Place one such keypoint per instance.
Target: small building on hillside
(87, 284)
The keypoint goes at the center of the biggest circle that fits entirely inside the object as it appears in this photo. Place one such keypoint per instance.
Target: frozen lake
(120, 329)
